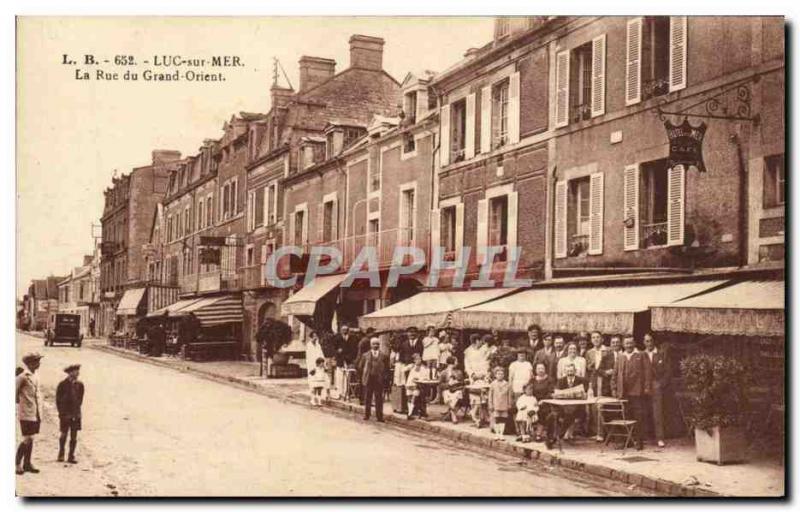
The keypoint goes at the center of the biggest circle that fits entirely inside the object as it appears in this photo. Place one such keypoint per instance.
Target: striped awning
(218, 310)
(130, 301)
(746, 308)
(304, 301)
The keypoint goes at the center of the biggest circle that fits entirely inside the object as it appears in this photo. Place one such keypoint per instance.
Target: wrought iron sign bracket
(716, 109)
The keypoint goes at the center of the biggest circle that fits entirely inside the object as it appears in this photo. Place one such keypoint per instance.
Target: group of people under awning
(494, 381)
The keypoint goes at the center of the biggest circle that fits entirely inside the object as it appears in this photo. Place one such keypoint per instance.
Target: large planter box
(721, 445)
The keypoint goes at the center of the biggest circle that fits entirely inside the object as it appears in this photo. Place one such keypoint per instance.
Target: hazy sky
(72, 134)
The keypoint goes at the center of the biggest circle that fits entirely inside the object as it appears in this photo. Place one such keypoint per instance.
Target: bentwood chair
(616, 425)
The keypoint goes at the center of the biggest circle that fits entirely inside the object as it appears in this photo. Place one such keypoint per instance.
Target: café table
(561, 403)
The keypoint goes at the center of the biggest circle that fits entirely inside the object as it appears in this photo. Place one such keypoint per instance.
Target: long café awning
(610, 309)
(747, 308)
(430, 307)
(210, 311)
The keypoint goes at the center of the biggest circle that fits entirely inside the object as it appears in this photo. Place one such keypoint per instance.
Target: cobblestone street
(153, 431)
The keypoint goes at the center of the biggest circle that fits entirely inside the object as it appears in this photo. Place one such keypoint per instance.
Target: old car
(64, 328)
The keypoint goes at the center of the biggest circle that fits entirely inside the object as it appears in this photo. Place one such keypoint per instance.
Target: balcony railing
(654, 87)
(654, 235)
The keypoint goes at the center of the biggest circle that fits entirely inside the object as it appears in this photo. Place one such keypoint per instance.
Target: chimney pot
(314, 71)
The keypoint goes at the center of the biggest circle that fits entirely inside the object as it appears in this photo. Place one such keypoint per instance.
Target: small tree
(273, 335)
(719, 387)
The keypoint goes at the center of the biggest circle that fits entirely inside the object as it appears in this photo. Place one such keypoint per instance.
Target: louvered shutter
(320, 222)
(599, 75)
(444, 130)
(560, 220)
(562, 89)
(596, 195)
(486, 119)
(633, 66)
(677, 53)
(304, 232)
(436, 221)
(630, 205)
(290, 234)
(261, 270)
(513, 108)
(469, 133)
(335, 220)
(513, 205)
(675, 206)
(483, 230)
(459, 242)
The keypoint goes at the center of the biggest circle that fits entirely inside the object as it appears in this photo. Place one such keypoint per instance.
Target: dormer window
(410, 106)
(502, 27)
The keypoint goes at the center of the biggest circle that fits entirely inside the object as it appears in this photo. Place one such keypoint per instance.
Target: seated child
(527, 414)
(452, 388)
(415, 399)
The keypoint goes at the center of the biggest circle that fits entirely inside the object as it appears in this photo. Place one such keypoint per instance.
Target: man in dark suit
(373, 371)
(571, 414)
(410, 346)
(633, 384)
(69, 399)
(547, 356)
(659, 375)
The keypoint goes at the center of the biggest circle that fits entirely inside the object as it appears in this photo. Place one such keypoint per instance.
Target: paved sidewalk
(672, 471)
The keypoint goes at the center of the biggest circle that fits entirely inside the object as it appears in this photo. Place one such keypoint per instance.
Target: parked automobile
(64, 328)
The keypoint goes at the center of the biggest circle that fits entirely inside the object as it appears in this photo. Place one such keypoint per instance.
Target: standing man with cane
(29, 401)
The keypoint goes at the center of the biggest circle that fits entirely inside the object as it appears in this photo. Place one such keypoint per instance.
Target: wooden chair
(616, 425)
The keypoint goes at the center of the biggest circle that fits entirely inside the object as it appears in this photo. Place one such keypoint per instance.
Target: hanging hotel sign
(686, 144)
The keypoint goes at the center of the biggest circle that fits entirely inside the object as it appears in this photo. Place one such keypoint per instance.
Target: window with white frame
(250, 256)
(272, 203)
(328, 220)
(581, 82)
(774, 181)
(497, 221)
(259, 206)
(656, 51)
(458, 130)
(408, 211)
(410, 106)
(209, 211)
(409, 143)
(375, 172)
(500, 113)
(200, 217)
(448, 230)
(653, 203)
(578, 219)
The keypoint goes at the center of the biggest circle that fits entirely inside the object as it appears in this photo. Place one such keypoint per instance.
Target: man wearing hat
(29, 411)
(69, 398)
(373, 366)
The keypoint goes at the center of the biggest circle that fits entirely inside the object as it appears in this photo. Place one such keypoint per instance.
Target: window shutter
(630, 205)
(599, 75)
(560, 221)
(289, 234)
(675, 207)
(459, 242)
(562, 89)
(596, 213)
(335, 220)
(320, 221)
(513, 108)
(469, 134)
(486, 119)
(436, 234)
(633, 67)
(512, 219)
(261, 273)
(677, 53)
(304, 232)
(483, 230)
(444, 134)
(422, 104)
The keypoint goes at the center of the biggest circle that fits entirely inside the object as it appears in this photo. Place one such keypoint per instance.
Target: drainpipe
(743, 231)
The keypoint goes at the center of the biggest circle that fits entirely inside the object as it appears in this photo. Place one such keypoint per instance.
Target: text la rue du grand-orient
(151, 68)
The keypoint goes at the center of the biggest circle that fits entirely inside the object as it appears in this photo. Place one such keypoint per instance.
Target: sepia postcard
(511, 256)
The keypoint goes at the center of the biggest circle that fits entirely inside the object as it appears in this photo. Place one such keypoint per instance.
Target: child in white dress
(318, 380)
(527, 414)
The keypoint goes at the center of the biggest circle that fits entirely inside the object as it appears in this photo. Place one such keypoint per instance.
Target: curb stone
(353, 411)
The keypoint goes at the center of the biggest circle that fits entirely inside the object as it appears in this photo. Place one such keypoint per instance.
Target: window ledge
(773, 212)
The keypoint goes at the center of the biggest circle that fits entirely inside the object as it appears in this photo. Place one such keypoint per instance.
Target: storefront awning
(130, 301)
(209, 310)
(609, 309)
(174, 309)
(433, 307)
(305, 300)
(747, 308)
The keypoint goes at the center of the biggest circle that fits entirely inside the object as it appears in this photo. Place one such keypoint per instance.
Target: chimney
(162, 156)
(280, 96)
(314, 71)
(366, 52)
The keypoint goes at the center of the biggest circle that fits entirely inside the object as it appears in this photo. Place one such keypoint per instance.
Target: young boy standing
(501, 400)
(69, 398)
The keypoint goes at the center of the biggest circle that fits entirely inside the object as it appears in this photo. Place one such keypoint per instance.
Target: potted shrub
(718, 405)
(272, 336)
